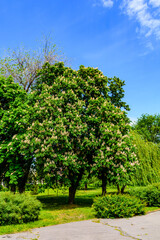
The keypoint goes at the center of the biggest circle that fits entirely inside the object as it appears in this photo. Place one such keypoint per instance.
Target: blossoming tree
(76, 127)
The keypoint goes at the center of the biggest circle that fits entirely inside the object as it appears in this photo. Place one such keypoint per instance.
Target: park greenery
(148, 126)
(55, 209)
(15, 209)
(118, 206)
(68, 129)
(149, 194)
(148, 154)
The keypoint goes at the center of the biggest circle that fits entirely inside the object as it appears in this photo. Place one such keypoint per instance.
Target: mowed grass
(57, 211)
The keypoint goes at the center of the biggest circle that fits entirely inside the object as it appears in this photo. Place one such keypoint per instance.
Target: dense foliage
(149, 127)
(116, 93)
(15, 208)
(149, 194)
(148, 154)
(14, 166)
(118, 206)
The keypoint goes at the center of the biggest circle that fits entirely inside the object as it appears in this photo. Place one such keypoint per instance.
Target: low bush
(149, 194)
(118, 206)
(3, 189)
(18, 208)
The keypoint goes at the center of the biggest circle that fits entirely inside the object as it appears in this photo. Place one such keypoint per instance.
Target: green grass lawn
(57, 211)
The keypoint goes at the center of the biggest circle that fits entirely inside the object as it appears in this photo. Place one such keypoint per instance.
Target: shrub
(118, 206)
(18, 208)
(3, 189)
(149, 194)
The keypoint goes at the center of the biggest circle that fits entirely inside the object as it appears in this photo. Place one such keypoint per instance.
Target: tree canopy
(73, 120)
(149, 127)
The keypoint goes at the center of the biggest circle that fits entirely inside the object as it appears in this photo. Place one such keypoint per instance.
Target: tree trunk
(21, 185)
(74, 185)
(118, 188)
(85, 186)
(122, 189)
(13, 188)
(104, 184)
(23, 180)
(72, 192)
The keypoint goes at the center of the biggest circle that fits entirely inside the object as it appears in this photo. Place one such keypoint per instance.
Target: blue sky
(120, 37)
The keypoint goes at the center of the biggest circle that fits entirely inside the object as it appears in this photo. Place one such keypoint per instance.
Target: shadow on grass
(52, 202)
(61, 202)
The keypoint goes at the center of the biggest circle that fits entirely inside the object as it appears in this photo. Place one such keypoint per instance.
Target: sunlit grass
(152, 209)
(51, 217)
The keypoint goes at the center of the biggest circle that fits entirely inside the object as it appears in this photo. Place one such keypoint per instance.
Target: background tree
(8, 93)
(115, 160)
(23, 64)
(14, 166)
(148, 154)
(149, 127)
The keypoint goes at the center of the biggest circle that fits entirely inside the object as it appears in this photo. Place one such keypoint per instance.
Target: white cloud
(155, 3)
(143, 12)
(107, 3)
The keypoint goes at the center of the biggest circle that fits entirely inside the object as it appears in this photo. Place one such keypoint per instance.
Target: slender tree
(23, 64)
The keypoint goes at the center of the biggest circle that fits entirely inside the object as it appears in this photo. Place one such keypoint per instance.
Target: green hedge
(118, 206)
(149, 194)
(18, 208)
